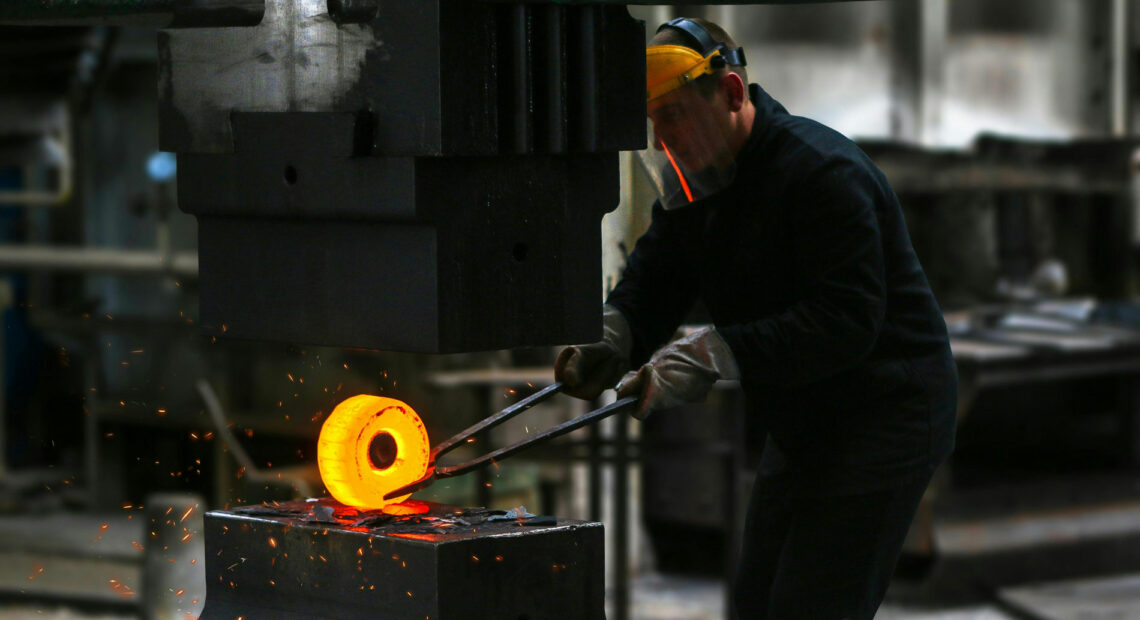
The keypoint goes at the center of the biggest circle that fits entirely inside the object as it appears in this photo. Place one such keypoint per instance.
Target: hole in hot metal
(290, 175)
(382, 450)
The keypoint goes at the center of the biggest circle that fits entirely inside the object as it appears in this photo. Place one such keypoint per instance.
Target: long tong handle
(494, 420)
(557, 431)
(434, 473)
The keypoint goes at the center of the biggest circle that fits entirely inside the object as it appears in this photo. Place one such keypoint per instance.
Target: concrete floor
(42, 554)
(658, 597)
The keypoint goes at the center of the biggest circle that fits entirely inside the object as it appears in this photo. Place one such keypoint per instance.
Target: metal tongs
(435, 472)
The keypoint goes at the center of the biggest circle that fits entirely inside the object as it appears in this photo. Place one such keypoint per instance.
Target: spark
(120, 588)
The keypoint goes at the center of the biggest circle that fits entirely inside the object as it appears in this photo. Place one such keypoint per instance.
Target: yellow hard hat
(669, 67)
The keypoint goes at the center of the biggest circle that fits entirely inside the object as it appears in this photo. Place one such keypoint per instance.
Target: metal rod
(7, 300)
(594, 480)
(158, 13)
(96, 260)
(495, 420)
(1119, 22)
(621, 519)
(555, 93)
(667, 2)
(587, 87)
(520, 82)
(557, 431)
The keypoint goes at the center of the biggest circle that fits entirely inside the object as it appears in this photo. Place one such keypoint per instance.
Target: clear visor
(688, 157)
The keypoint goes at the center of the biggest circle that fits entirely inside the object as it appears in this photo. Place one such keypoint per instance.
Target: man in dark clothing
(796, 245)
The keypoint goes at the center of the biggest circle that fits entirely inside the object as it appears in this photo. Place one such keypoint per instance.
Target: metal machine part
(160, 13)
(324, 560)
(430, 181)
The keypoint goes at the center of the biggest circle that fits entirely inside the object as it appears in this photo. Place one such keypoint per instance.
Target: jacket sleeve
(657, 288)
(837, 256)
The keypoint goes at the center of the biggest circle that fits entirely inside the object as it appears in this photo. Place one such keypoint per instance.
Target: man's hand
(587, 370)
(682, 371)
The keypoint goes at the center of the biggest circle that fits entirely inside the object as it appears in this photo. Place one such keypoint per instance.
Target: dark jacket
(806, 268)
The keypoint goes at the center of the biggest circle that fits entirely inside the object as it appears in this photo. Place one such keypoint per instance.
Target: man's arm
(838, 257)
(657, 288)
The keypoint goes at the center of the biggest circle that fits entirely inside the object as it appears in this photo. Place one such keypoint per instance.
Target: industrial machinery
(416, 176)
(422, 176)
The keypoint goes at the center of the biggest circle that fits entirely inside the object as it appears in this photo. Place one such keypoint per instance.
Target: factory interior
(222, 219)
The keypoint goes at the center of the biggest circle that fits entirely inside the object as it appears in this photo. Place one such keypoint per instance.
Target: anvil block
(448, 564)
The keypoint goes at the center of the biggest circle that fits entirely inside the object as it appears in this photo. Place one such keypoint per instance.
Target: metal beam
(668, 2)
(158, 13)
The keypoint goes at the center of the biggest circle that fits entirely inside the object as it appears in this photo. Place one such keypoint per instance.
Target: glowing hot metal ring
(371, 445)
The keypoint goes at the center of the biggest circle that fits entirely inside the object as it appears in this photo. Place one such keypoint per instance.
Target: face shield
(688, 157)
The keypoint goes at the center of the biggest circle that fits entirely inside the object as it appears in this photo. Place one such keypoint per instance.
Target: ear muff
(706, 43)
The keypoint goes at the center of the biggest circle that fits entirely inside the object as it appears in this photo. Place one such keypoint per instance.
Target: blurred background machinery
(429, 177)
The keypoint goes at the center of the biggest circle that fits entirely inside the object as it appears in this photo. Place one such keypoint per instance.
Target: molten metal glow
(410, 507)
(370, 445)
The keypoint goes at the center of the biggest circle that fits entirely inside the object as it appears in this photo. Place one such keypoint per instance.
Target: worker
(796, 246)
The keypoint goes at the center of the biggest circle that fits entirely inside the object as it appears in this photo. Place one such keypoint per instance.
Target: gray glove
(587, 370)
(682, 371)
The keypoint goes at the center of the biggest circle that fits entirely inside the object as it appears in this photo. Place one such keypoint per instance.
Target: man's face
(692, 127)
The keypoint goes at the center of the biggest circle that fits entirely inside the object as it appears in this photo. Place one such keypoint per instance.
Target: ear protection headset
(706, 44)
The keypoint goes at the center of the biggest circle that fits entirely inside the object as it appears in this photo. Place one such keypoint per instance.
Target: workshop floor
(658, 597)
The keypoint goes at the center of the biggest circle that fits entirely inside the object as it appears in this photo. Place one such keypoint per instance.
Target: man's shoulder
(809, 144)
(802, 150)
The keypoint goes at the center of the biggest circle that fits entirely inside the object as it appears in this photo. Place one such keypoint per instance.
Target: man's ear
(734, 91)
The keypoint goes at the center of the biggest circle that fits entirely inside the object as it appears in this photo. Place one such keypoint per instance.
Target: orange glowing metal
(369, 446)
(680, 175)
(410, 507)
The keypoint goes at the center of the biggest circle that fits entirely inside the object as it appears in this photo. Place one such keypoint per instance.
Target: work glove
(682, 371)
(587, 370)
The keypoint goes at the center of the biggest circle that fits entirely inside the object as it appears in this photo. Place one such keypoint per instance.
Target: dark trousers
(820, 558)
